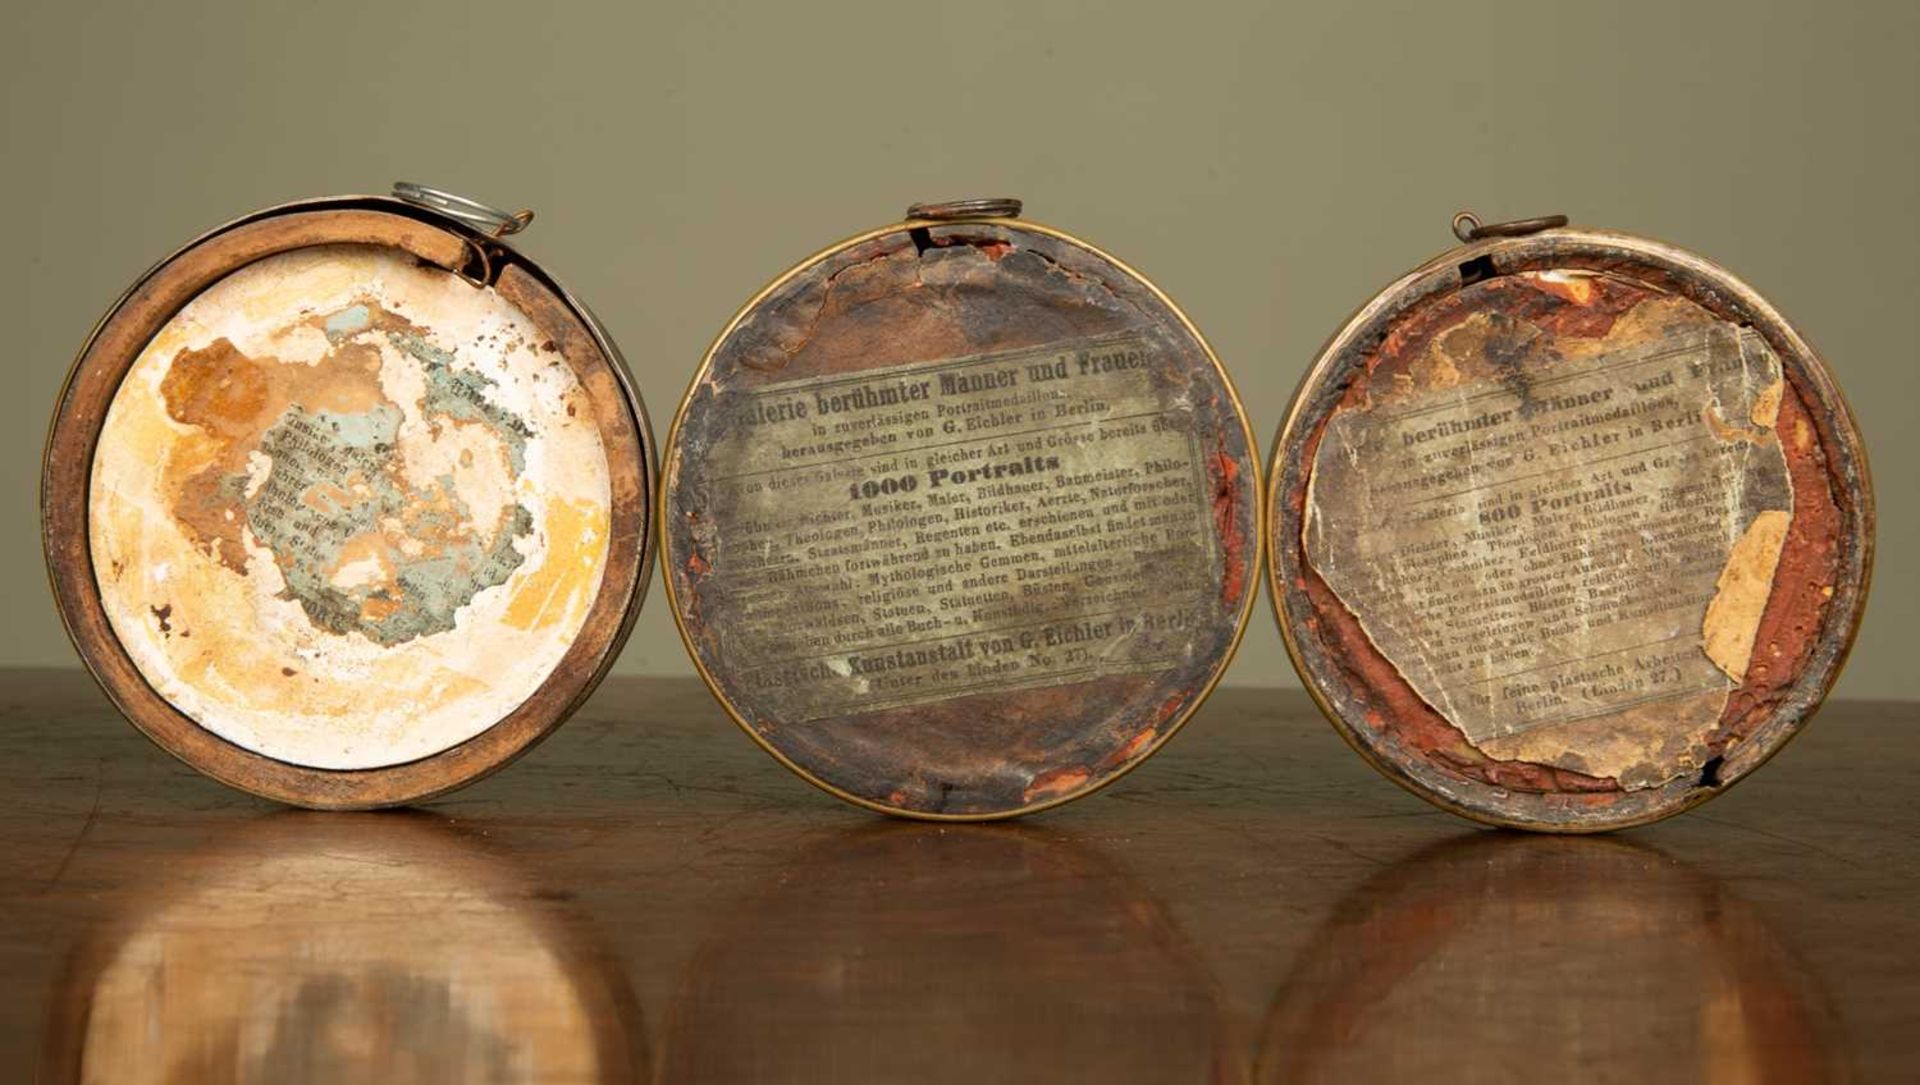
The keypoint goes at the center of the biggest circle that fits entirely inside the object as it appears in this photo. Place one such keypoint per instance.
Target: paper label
(922, 532)
(1548, 549)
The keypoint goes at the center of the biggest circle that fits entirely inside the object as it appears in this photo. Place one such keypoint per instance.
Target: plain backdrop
(1269, 165)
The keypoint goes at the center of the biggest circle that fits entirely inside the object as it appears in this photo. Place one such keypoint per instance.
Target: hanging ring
(999, 207)
(488, 220)
(1468, 227)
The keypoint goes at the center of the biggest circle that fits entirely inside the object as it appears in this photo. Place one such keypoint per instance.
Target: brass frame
(102, 364)
(1256, 557)
(1722, 294)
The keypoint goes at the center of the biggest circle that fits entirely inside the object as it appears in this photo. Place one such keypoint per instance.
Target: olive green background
(1269, 165)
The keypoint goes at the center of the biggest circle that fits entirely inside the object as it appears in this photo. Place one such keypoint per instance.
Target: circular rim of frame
(1258, 489)
(95, 376)
(1721, 294)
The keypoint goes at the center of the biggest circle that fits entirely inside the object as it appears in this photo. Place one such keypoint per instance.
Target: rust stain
(1803, 579)
(1225, 473)
(240, 403)
(234, 399)
(1131, 749)
(1404, 720)
(1057, 782)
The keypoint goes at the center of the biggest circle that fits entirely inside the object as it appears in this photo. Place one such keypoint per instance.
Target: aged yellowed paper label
(921, 532)
(1591, 536)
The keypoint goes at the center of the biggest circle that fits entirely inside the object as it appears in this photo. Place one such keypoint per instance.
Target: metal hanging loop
(488, 220)
(999, 207)
(1468, 227)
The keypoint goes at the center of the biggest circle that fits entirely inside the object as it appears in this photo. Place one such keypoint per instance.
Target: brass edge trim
(669, 468)
(650, 476)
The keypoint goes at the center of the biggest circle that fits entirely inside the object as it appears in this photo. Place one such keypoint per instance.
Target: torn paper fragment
(1567, 552)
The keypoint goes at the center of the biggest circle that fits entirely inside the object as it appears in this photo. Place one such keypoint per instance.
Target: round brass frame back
(161, 292)
(996, 215)
(1673, 270)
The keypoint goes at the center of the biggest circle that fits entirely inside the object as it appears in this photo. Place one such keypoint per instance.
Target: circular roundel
(960, 517)
(1570, 529)
(346, 503)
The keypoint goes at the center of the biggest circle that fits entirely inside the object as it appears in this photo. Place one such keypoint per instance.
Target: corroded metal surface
(346, 506)
(1570, 531)
(303, 502)
(960, 519)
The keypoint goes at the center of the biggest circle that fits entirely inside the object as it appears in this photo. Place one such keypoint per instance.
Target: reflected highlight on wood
(649, 898)
(1553, 959)
(346, 948)
(1016, 954)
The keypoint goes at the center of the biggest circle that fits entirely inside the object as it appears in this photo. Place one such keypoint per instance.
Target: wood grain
(1253, 904)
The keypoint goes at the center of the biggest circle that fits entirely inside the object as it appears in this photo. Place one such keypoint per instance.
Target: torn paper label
(1540, 551)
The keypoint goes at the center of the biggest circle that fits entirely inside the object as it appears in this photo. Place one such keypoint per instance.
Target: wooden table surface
(647, 896)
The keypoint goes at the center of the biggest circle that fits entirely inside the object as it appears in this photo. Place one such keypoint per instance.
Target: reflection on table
(402, 948)
(969, 953)
(335, 948)
(1504, 957)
